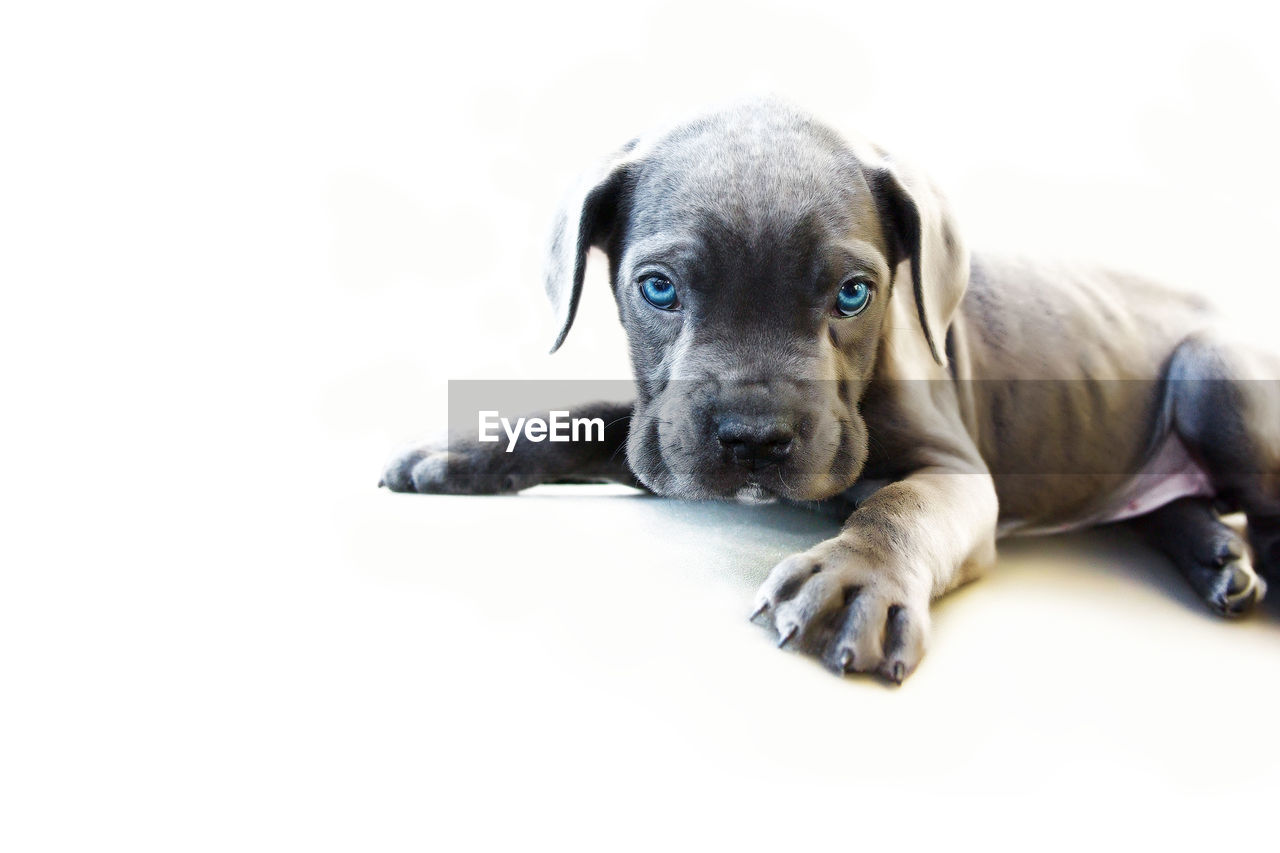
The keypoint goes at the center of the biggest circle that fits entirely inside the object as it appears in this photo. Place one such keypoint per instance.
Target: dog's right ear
(586, 218)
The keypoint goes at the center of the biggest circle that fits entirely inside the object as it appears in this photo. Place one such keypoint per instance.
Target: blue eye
(853, 298)
(659, 292)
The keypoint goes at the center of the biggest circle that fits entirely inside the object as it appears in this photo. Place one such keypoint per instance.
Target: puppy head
(761, 266)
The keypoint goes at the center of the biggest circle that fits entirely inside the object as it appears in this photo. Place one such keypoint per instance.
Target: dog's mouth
(676, 449)
(754, 494)
(714, 481)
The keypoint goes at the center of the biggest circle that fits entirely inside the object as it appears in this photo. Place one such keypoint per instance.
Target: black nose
(755, 440)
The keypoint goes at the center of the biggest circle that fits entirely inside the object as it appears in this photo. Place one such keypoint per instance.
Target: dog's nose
(755, 441)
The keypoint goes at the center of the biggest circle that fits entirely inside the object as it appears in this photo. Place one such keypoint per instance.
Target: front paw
(853, 612)
(449, 469)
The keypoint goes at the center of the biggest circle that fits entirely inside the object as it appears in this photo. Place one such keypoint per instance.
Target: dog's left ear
(921, 230)
(586, 218)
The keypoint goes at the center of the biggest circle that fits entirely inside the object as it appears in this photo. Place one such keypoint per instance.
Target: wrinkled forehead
(753, 179)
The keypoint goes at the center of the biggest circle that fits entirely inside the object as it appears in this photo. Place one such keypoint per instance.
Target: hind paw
(1228, 582)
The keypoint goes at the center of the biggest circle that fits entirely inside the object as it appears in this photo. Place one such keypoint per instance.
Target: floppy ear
(922, 231)
(586, 218)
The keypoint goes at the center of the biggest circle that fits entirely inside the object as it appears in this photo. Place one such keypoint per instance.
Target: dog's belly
(1171, 474)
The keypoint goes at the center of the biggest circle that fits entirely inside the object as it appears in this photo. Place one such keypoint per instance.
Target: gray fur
(979, 396)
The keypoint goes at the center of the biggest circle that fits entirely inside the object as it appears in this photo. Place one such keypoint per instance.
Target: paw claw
(1238, 591)
(788, 636)
(846, 660)
(755, 614)
(1239, 581)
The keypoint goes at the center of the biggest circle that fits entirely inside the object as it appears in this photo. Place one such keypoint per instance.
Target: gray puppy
(806, 323)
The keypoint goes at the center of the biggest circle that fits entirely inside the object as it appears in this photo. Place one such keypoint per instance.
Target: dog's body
(806, 323)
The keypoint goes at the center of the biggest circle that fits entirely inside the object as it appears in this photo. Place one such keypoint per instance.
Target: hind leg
(1225, 404)
(1209, 554)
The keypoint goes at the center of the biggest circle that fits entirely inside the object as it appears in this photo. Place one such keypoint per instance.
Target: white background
(243, 248)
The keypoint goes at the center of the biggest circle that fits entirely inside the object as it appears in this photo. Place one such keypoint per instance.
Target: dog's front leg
(860, 601)
(464, 465)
